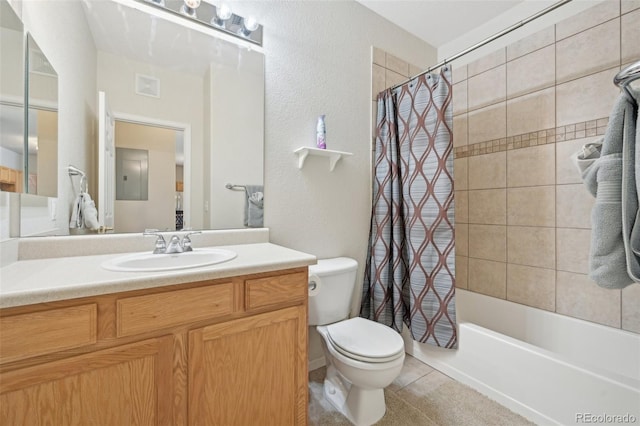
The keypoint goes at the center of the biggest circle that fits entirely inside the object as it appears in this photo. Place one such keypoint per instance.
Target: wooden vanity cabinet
(223, 352)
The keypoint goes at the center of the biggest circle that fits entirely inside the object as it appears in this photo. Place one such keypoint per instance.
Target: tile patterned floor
(420, 396)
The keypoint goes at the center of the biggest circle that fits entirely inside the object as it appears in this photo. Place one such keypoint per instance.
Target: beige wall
(235, 127)
(182, 100)
(522, 214)
(47, 169)
(158, 212)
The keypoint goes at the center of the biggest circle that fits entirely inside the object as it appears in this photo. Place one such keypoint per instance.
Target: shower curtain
(409, 276)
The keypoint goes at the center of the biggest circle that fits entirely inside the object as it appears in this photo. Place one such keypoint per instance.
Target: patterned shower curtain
(409, 276)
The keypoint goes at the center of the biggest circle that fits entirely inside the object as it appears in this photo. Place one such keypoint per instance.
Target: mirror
(163, 72)
(41, 169)
(12, 128)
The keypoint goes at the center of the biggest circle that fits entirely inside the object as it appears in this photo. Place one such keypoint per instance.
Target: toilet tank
(335, 280)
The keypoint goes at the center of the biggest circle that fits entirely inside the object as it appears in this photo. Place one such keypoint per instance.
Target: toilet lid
(362, 339)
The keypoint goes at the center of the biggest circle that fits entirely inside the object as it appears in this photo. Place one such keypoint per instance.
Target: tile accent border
(569, 132)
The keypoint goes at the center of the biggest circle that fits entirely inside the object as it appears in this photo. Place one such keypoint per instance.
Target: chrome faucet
(176, 245)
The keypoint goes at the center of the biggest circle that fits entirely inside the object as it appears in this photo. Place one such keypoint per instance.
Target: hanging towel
(84, 213)
(608, 169)
(254, 206)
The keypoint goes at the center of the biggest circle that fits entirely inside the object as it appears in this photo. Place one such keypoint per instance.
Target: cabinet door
(127, 385)
(250, 371)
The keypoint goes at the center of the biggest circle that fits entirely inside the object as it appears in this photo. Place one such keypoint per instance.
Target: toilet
(362, 356)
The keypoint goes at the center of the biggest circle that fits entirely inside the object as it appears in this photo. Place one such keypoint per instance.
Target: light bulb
(251, 23)
(189, 8)
(193, 4)
(224, 11)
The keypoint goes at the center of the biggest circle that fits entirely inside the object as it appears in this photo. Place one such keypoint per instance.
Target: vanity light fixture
(219, 17)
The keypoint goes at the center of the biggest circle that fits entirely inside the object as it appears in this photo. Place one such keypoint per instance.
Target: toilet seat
(365, 340)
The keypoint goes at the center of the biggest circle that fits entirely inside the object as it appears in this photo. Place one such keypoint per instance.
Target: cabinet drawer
(152, 312)
(39, 333)
(273, 290)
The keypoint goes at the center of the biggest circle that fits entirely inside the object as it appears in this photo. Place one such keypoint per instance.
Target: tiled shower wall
(522, 213)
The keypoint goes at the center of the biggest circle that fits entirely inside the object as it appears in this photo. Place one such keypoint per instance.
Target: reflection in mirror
(161, 72)
(42, 123)
(11, 101)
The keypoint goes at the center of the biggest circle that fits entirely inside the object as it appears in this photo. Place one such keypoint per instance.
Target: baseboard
(314, 364)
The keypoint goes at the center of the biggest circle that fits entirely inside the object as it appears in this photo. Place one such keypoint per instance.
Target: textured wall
(318, 61)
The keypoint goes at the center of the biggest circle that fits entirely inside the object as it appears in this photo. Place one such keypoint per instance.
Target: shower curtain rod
(488, 40)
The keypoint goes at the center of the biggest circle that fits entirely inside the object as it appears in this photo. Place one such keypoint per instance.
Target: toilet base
(363, 407)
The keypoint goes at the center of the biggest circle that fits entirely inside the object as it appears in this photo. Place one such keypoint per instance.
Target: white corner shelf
(334, 156)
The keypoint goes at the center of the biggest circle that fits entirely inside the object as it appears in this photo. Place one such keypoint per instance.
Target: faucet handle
(161, 244)
(186, 241)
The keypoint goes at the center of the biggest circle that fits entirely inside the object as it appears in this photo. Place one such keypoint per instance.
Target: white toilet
(363, 357)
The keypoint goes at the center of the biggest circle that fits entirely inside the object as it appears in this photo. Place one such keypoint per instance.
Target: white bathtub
(550, 368)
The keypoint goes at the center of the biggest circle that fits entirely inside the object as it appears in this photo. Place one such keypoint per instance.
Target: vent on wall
(39, 64)
(147, 86)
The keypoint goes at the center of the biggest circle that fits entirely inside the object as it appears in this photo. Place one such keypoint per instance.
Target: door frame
(177, 126)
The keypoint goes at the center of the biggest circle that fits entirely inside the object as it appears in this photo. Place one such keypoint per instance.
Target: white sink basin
(149, 262)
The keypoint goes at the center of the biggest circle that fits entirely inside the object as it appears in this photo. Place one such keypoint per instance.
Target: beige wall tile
(589, 18)
(579, 297)
(629, 5)
(378, 81)
(530, 286)
(393, 78)
(461, 206)
(573, 206)
(631, 36)
(460, 173)
(379, 56)
(587, 98)
(487, 62)
(588, 52)
(488, 206)
(531, 113)
(462, 239)
(488, 123)
(531, 206)
(532, 246)
(374, 123)
(572, 246)
(566, 170)
(488, 242)
(630, 310)
(459, 73)
(460, 130)
(531, 72)
(459, 100)
(397, 65)
(488, 87)
(533, 42)
(462, 272)
(488, 171)
(531, 166)
(488, 277)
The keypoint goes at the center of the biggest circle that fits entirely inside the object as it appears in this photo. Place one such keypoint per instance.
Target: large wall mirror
(12, 122)
(188, 104)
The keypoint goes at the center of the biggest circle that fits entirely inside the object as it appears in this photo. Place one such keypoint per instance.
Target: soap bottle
(321, 133)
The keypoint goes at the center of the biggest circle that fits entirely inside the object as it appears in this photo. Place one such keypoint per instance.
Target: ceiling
(439, 21)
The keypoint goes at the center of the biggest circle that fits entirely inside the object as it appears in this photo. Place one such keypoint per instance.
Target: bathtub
(549, 368)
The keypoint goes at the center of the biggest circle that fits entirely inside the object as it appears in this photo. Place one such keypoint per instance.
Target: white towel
(84, 213)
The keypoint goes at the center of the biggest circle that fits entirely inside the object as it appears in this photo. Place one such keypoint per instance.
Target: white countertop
(45, 280)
